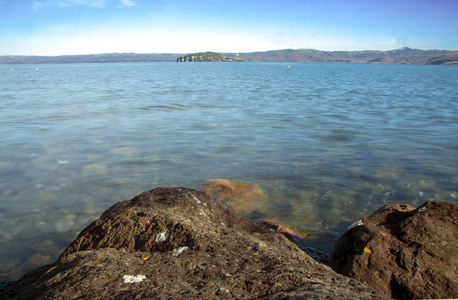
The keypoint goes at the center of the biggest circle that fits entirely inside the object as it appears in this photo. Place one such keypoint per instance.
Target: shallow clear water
(329, 143)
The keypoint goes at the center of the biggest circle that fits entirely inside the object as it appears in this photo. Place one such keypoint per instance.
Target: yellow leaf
(145, 258)
(367, 250)
(49, 271)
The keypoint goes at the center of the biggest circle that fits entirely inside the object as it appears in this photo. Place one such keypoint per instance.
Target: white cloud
(90, 3)
(128, 3)
(69, 3)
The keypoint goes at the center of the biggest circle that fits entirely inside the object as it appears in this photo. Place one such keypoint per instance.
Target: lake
(328, 143)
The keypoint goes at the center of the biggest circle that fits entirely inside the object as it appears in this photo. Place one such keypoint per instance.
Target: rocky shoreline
(181, 243)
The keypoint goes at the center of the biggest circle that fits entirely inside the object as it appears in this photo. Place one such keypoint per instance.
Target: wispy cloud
(128, 3)
(70, 3)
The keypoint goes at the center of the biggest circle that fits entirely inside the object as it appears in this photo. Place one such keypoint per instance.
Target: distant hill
(398, 56)
(208, 57)
(90, 58)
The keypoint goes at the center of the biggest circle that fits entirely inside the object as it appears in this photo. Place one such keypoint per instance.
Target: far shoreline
(398, 56)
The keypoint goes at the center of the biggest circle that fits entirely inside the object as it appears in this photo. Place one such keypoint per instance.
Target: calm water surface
(329, 143)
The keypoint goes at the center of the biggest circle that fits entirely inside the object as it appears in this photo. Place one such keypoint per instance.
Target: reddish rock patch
(297, 239)
(244, 197)
(404, 254)
(284, 229)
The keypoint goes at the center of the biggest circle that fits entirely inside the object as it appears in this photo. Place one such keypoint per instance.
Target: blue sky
(61, 27)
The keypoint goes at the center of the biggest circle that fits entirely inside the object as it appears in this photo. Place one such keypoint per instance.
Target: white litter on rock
(180, 250)
(197, 199)
(163, 236)
(133, 278)
(422, 209)
(357, 223)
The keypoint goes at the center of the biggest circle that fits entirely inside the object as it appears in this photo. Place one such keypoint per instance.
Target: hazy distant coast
(398, 56)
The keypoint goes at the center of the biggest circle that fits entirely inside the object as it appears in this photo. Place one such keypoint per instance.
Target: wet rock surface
(402, 252)
(181, 244)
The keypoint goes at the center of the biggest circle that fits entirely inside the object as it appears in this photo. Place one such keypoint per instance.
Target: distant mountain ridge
(90, 58)
(398, 56)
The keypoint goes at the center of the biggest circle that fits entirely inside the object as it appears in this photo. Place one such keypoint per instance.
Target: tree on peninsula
(207, 57)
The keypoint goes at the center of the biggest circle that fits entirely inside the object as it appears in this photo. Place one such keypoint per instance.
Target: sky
(66, 27)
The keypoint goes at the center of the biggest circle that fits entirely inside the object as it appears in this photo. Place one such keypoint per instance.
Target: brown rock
(404, 254)
(175, 243)
(388, 208)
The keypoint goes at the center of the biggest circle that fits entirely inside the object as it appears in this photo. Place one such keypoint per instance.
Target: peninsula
(208, 57)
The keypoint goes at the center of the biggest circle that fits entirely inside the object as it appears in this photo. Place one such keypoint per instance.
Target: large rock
(180, 243)
(402, 252)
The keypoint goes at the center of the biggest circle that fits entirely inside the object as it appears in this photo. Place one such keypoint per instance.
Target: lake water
(328, 143)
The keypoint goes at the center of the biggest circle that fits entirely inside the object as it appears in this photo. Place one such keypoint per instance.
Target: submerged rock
(244, 197)
(211, 252)
(402, 252)
(297, 239)
(284, 229)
